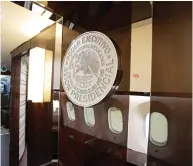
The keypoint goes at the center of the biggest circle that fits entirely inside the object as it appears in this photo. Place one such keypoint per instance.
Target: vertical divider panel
(171, 88)
(14, 111)
(79, 143)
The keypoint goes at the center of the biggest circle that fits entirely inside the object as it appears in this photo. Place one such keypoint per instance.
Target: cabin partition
(98, 135)
(170, 138)
(32, 110)
(144, 122)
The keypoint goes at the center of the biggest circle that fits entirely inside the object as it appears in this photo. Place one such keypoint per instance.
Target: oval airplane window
(158, 129)
(89, 116)
(70, 111)
(115, 120)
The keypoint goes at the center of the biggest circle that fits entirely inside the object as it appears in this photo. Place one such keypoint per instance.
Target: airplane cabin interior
(96, 83)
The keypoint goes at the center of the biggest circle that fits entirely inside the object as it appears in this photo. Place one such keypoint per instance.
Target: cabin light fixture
(40, 75)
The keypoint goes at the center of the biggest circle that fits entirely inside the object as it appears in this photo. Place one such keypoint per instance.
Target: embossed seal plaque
(89, 68)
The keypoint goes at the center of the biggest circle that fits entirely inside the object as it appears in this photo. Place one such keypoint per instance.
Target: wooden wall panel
(80, 149)
(172, 80)
(101, 128)
(122, 37)
(39, 133)
(79, 144)
(14, 111)
(178, 111)
(172, 47)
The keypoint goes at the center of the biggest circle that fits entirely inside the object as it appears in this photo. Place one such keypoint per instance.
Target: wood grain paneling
(172, 47)
(101, 128)
(101, 15)
(79, 149)
(122, 38)
(14, 111)
(172, 80)
(178, 112)
(39, 133)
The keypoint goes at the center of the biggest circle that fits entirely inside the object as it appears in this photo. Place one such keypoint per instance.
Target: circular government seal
(89, 68)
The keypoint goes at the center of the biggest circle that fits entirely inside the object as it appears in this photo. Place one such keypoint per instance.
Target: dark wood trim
(172, 94)
(172, 47)
(14, 112)
(166, 94)
(56, 90)
(132, 93)
(39, 133)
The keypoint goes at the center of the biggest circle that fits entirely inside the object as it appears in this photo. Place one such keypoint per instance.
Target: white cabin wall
(141, 56)
(139, 106)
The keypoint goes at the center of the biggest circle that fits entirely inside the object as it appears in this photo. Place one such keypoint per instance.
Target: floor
(5, 137)
(23, 161)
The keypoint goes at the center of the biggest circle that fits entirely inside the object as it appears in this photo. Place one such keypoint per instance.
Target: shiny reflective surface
(83, 145)
(105, 142)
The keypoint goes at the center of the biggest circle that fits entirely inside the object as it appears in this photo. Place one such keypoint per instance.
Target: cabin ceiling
(17, 26)
(101, 15)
